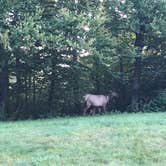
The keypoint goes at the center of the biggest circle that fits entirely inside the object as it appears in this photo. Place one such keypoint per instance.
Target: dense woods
(54, 52)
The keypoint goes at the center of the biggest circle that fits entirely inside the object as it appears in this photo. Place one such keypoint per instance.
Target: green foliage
(156, 105)
(54, 52)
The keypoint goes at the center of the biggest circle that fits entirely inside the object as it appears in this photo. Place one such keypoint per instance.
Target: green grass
(114, 140)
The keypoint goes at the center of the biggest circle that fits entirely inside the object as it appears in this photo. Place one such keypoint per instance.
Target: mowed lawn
(114, 140)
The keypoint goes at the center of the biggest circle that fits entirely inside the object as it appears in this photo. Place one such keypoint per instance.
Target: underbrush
(156, 105)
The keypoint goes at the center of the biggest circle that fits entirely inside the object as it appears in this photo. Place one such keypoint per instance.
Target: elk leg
(99, 110)
(92, 112)
(104, 109)
(86, 109)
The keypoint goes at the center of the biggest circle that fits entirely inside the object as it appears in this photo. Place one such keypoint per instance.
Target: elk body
(97, 101)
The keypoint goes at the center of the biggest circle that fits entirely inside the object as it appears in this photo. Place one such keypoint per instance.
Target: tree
(53, 52)
(135, 19)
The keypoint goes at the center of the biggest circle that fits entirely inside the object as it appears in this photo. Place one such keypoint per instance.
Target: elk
(98, 101)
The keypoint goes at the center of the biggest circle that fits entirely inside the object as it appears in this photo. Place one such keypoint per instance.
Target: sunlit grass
(114, 140)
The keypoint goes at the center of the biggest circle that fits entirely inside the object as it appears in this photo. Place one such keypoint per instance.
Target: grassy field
(114, 140)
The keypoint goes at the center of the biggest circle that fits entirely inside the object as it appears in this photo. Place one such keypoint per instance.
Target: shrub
(157, 104)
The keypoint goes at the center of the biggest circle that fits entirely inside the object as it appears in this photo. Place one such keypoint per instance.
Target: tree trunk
(96, 76)
(4, 86)
(29, 85)
(51, 94)
(34, 92)
(139, 43)
(136, 82)
(18, 83)
(26, 91)
(75, 83)
(52, 84)
(122, 86)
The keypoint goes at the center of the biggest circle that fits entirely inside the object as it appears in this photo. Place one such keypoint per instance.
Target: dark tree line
(54, 52)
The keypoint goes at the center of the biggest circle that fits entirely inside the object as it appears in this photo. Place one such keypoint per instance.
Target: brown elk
(99, 101)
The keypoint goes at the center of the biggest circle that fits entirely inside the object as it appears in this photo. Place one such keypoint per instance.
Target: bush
(157, 104)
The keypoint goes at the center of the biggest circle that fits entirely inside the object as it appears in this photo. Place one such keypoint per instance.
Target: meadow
(136, 139)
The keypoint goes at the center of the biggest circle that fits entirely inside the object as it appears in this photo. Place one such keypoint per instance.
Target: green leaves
(62, 49)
